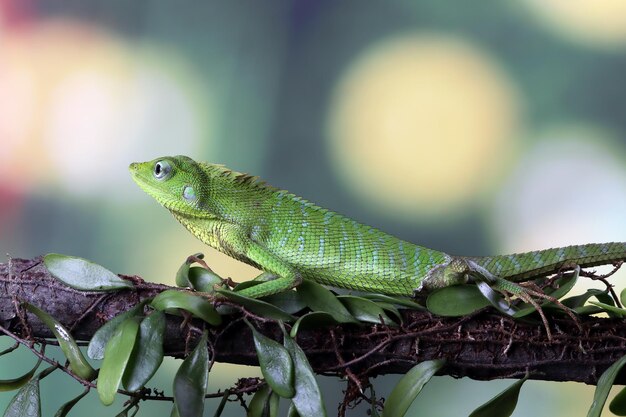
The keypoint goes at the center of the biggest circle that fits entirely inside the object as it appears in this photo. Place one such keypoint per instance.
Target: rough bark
(482, 346)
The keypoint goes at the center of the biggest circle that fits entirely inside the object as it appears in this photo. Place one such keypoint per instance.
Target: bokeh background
(471, 127)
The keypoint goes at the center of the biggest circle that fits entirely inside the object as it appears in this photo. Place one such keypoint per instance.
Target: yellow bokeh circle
(422, 123)
(597, 22)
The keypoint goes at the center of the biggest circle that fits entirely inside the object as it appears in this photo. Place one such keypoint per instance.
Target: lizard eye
(189, 193)
(161, 169)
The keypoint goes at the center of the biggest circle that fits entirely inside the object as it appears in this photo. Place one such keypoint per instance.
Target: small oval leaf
(396, 300)
(275, 362)
(365, 310)
(564, 285)
(288, 301)
(64, 410)
(191, 380)
(619, 312)
(457, 300)
(618, 404)
(409, 386)
(390, 308)
(257, 306)
(259, 401)
(495, 299)
(274, 403)
(78, 363)
(503, 404)
(314, 319)
(604, 387)
(182, 275)
(148, 352)
(580, 300)
(308, 398)
(95, 350)
(170, 300)
(220, 407)
(82, 274)
(27, 401)
(292, 412)
(116, 355)
(202, 280)
(20, 381)
(318, 298)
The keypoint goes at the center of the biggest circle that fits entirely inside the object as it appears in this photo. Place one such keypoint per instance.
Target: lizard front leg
(279, 275)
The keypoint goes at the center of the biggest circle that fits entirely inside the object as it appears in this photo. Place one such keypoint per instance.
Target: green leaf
(182, 275)
(587, 310)
(457, 300)
(274, 402)
(563, 285)
(257, 306)
(191, 380)
(116, 356)
(170, 300)
(503, 404)
(409, 386)
(604, 387)
(619, 312)
(264, 403)
(148, 352)
(318, 298)
(95, 350)
(288, 301)
(275, 362)
(222, 404)
(10, 349)
(292, 412)
(495, 299)
(202, 280)
(259, 401)
(314, 319)
(64, 410)
(399, 301)
(308, 399)
(365, 310)
(15, 383)
(580, 300)
(78, 363)
(618, 404)
(622, 296)
(27, 401)
(82, 274)
(390, 308)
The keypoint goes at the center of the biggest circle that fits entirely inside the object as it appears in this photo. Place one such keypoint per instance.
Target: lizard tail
(527, 265)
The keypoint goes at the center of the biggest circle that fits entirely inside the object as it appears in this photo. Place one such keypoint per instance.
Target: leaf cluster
(130, 345)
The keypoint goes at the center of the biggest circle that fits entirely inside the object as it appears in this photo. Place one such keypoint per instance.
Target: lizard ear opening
(162, 170)
(189, 194)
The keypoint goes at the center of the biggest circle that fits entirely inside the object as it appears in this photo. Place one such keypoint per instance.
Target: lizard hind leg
(527, 292)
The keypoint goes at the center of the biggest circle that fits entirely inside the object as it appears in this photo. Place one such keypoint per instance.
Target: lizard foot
(528, 292)
(533, 295)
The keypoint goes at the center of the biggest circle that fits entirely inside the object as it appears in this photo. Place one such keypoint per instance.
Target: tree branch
(481, 346)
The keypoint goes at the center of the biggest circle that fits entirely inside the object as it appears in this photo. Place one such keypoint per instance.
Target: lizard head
(175, 182)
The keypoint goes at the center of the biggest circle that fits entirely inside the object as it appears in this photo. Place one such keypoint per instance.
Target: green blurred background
(471, 127)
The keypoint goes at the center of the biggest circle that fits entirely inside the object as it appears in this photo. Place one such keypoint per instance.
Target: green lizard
(293, 238)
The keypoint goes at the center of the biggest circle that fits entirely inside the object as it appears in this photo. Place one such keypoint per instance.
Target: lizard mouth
(145, 181)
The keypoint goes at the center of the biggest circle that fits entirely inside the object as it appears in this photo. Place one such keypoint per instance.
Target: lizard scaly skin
(294, 239)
